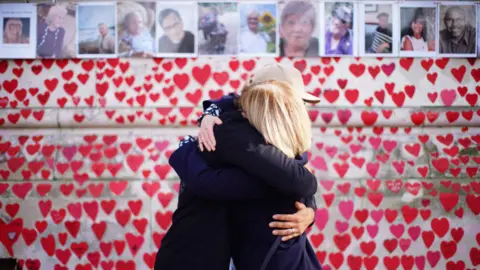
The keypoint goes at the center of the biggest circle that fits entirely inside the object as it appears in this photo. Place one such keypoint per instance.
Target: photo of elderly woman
(339, 23)
(298, 28)
(418, 29)
(96, 29)
(136, 29)
(56, 30)
(16, 30)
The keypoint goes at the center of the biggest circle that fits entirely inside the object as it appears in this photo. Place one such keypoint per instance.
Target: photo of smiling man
(458, 35)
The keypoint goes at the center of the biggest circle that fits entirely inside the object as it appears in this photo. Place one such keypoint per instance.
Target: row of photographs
(293, 28)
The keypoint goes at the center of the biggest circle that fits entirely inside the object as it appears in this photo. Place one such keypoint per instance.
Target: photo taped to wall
(96, 29)
(377, 21)
(418, 29)
(56, 31)
(457, 35)
(339, 29)
(18, 27)
(176, 29)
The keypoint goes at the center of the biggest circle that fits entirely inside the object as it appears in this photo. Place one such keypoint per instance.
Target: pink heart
(341, 226)
(162, 145)
(355, 148)
(388, 69)
(397, 230)
(319, 163)
(404, 244)
(321, 218)
(50, 162)
(448, 96)
(327, 184)
(414, 232)
(69, 152)
(372, 168)
(420, 262)
(433, 257)
(176, 186)
(346, 209)
(375, 142)
(372, 230)
(331, 151)
(377, 215)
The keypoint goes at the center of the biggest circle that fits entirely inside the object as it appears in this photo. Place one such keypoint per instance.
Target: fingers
(283, 225)
(200, 145)
(288, 237)
(210, 137)
(285, 232)
(202, 141)
(300, 205)
(291, 218)
(217, 121)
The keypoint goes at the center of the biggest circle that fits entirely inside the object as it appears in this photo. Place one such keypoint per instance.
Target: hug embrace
(246, 195)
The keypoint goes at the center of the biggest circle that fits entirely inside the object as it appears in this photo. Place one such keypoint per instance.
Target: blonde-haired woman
(13, 33)
(256, 171)
(50, 33)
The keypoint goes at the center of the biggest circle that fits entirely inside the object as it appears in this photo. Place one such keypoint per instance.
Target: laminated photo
(18, 25)
(176, 29)
(376, 36)
(96, 30)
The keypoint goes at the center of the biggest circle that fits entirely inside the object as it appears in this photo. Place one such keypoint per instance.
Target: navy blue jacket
(278, 181)
(199, 235)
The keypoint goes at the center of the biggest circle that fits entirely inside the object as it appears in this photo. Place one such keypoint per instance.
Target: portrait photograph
(56, 30)
(18, 25)
(298, 28)
(16, 30)
(457, 26)
(176, 29)
(258, 29)
(418, 30)
(96, 30)
(136, 29)
(339, 37)
(218, 27)
(376, 35)
(478, 30)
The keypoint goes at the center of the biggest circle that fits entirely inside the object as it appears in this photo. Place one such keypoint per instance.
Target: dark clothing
(380, 36)
(49, 43)
(312, 49)
(251, 237)
(228, 103)
(199, 237)
(186, 45)
(466, 45)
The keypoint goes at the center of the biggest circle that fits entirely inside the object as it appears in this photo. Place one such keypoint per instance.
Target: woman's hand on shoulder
(294, 225)
(206, 139)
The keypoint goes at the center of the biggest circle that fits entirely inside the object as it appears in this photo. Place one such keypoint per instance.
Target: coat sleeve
(212, 183)
(264, 161)
(216, 107)
(225, 103)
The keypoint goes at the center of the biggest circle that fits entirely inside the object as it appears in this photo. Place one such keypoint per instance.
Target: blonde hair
(56, 10)
(279, 114)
